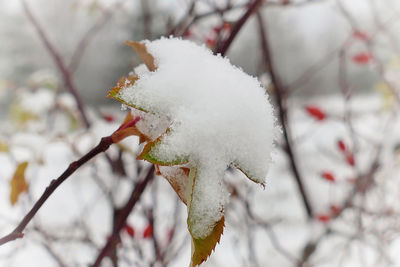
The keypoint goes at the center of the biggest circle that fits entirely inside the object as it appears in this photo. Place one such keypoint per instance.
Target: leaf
(145, 56)
(122, 83)
(177, 177)
(128, 128)
(149, 155)
(4, 147)
(201, 247)
(251, 178)
(387, 95)
(18, 183)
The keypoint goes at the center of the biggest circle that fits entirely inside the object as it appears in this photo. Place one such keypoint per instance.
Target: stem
(66, 74)
(123, 216)
(281, 97)
(104, 144)
(223, 47)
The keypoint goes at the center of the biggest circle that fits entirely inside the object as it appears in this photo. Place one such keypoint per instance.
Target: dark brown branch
(17, 233)
(123, 216)
(103, 145)
(223, 47)
(147, 19)
(70, 85)
(281, 97)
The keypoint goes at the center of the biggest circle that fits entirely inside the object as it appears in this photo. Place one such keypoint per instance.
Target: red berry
(341, 145)
(109, 118)
(324, 218)
(335, 209)
(148, 232)
(360, 35)
(350, 159)
(328, 176)
(129, 230)
(362, 58)
(315, 112)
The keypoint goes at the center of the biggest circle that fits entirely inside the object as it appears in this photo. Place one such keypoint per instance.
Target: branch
(123, 216)
(281, 95)
(103, 145)
(90, 34)
(66, 74)
(224, 46)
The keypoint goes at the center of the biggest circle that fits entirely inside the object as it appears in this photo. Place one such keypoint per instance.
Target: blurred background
(331, 68)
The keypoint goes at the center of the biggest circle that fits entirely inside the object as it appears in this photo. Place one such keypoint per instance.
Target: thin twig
(281, 95)
(223, 47)
(123, 216)
(103, 145)
(66, 74)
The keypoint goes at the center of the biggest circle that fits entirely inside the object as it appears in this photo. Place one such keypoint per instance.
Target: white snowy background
(273, 229)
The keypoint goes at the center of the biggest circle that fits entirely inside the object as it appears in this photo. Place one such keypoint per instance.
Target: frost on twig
(200, 115)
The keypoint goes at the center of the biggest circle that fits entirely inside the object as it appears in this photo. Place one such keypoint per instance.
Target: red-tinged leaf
(315, 112)
(328, 176)
(341, 145)
(361, 35)
(128, 128)
(148, 232)
(350, 159)
(324, 218)
(129, 230)
(362, 58)
(335, 209)
(145, 56)
(108, 118)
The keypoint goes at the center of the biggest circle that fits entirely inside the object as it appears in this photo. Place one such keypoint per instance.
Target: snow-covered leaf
(202, 221)
(208, 115)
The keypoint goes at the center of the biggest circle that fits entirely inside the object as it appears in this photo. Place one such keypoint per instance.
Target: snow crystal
(218, 117)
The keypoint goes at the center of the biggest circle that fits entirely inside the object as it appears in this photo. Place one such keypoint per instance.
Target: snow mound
(218, 117)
